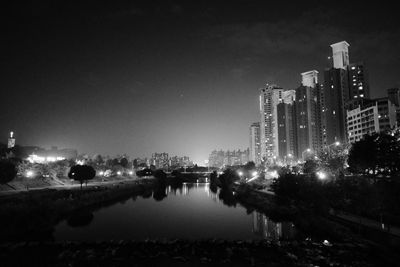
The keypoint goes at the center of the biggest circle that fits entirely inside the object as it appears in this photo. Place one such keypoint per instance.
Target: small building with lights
(372, 116)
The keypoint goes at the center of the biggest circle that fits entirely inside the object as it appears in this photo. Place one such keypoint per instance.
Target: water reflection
(80, 218)
(182, 208)
(274, 231)
(263, 226)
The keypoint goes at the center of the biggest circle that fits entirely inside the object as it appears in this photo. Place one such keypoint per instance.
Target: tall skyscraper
(255, 143)
(335, 94)
(269, 99)
(308, 116)
(286, 132)
(345, 86)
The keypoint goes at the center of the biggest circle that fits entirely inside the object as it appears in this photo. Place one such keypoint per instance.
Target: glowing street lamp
(119, 173)
(130, 172)
(321, 175)
(240, 173)
(29, 173)
(101, 173)
(337, 143)
(255, 173)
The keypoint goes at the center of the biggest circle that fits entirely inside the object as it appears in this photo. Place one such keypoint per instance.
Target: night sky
(171, 76)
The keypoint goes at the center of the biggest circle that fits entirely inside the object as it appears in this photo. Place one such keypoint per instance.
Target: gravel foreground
(193, 253)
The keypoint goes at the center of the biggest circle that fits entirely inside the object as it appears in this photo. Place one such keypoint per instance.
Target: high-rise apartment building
(335, 95)
(255, 143)
(308, 116)
(286, 132)
(270, 97)
(344, 83)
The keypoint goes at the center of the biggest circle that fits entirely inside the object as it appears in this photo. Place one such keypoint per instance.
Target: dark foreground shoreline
(192, 253)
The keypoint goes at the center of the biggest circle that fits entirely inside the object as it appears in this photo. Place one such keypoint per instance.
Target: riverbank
(191, 253)
(21, 184)
(31, 215)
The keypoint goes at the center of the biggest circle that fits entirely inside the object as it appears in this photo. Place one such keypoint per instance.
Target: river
(192, 212)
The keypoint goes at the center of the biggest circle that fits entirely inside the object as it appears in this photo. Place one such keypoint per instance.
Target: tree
(388, 154)
(124, 162)
(81, 173)
(363, 155)
(8, 171)
(228, 178)
(98, 159)
(310, 166)
(115, 162)
(249, 166)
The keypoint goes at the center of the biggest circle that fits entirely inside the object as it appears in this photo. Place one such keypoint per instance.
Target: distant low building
(40, 155)
(177, 161)
(218, 159)
(160, 160)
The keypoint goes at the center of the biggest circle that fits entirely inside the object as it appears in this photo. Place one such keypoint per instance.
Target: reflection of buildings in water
(212, 195)
(182, 190)
(185, 189)
(207, 189)
(268, 229)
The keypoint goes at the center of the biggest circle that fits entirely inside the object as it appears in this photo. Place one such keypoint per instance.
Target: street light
(321, 175)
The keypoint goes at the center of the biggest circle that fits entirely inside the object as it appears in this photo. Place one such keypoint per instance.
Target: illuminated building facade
(160, 160)
(11, 140)
(255, 143)
(372, 116)
(219, 159)
(358, 81)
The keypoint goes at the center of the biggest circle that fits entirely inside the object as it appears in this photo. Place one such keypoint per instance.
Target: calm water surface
(191, 212)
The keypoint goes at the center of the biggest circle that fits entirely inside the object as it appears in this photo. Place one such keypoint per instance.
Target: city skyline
(114, 81)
